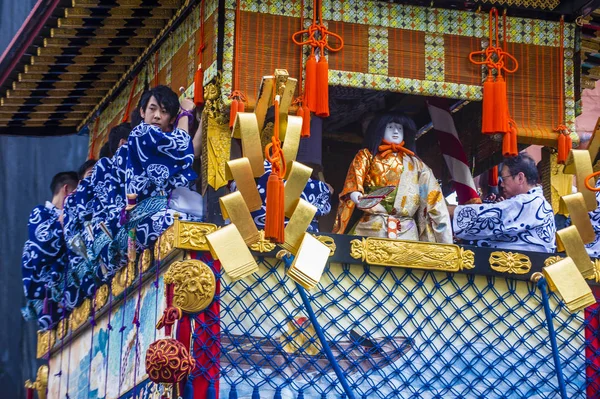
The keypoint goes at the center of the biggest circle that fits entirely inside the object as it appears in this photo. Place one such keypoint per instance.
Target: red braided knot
(168, 361)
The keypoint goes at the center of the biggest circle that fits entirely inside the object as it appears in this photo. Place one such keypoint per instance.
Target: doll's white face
(394, 133)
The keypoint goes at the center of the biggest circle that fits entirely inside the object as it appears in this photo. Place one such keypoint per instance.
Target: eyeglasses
(505, 177)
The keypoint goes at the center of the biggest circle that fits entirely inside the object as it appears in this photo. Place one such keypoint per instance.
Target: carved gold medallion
(195, 285)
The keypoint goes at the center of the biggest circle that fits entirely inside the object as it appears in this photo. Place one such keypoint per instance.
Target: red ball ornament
(168, 361)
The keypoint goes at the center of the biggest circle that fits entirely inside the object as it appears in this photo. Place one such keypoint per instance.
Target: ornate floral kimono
(524, 222)
(415, 210)
(43, 264)
(315, 192)
(158, 162)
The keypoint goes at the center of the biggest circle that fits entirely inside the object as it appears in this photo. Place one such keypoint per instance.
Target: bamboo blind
(458, 68)
(406, 54)
(533, 92)
(266, 45)
(354, 57)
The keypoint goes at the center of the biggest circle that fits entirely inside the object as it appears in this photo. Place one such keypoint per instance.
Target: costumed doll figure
(413, 207)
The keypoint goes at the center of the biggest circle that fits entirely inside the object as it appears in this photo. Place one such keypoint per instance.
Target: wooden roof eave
(137, 66)
(67, 58)
(25, 37)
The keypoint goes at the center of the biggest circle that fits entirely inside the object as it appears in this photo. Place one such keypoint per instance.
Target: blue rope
(543, 286)
(313, 319)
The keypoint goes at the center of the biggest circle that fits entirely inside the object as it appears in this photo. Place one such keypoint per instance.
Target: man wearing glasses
(523, 221)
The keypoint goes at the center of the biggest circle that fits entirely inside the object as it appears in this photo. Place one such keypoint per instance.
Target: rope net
(396, 333)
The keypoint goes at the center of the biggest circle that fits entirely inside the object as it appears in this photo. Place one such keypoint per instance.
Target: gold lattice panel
(538, 4)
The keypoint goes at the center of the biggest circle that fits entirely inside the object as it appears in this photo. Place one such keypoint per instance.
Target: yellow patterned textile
(417, 202)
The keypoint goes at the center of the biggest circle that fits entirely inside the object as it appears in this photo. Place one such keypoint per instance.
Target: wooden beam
(121, 13)
(81, 60)
(41, 114)
(113, 23)
(173, 4)
(95, 93)
(37, 77)
(100, 43)
(68, 85)
(70, 69)
(43, 109)
(50, 101)
(110, 33)
(92, 51)
(33, 117)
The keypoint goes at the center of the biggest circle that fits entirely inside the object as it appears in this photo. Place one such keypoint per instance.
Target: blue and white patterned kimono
(593, 248)
(523, 222)
(103, 182)
(115, 206)
(43, 264)
(315, 192)
(158, 162)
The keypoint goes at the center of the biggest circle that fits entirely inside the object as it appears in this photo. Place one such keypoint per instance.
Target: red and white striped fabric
(454, 154)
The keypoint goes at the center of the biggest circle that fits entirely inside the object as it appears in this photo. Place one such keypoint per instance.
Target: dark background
(27, 165)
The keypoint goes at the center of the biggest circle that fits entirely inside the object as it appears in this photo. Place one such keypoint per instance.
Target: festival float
(231, 310)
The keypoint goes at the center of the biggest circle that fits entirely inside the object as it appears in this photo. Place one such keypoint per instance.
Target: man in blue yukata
(523, 221)
(44, 256)
(159, 168)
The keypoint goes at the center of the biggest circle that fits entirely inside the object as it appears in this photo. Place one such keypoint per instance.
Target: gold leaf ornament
(195, 285)
(101, 297)
(80, 315)
(510, 262)
(411, 254)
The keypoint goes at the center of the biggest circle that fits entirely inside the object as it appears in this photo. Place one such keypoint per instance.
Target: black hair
(525, 164)
(117, 133)
(376, 131)
(62, 178)
(136, 117)
(84, 167)
(105, 151)
(165, 97)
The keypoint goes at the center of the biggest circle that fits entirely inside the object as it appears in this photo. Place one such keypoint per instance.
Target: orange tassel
(233, 112)
(562, 149)
(501, 106)
(513, 142)
(322, 88)
(487, 120)
(198, 87)
(300, 113)
(275, 217)
(306, 122)
(274, 223)
(506, 148)
(310, 83)
(509, 144)
(241, 106)
(568, 145)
